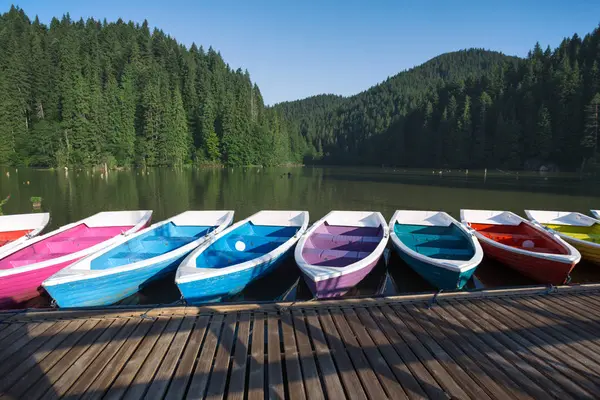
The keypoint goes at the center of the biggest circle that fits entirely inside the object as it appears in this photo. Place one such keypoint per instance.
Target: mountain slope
(333, 124)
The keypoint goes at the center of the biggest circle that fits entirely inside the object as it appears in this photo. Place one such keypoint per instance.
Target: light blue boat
(249, 249)
(436, 246)
(122, 269)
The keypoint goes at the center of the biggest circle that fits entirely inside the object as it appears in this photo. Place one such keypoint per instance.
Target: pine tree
(543, 134)
(592, 126)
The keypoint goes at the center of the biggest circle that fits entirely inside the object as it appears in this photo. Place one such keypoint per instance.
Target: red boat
(522, 245)
(15, 229)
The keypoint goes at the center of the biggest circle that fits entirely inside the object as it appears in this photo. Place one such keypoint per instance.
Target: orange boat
(15, 229)
(522, 245)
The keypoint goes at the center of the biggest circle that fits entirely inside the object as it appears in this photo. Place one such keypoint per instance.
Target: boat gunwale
(147, 214)
(318, 273)
(459, 265)
(88, 273)
(572, 258)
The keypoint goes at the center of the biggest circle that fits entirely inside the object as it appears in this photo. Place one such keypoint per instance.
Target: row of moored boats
(109, 256)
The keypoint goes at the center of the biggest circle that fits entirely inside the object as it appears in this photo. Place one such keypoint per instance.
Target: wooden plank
(579, 330)
(369, 380)
(237, 381)
(143, 379)
(489, 347)
(397, 365)
(426, 358)
(45, 356)
(180, 380)
(161, 380)
(384, 373)
(275, 374)
(12, 361)
(543, 360)
(220, 370)
(114, 367)
(7, 334)
(417, 370)
(133, 365)
(565, 334)
(565, 308)
(349, 378)
(293, 369)
(256, 388)
(80, 366)
(421, 316)
(568, 364)
(516, 353)
(51, 375)
(501, 386)
(312, 383)
(23, 338)
(201, 373)
(329, 373)
(87, 377)
(454, 370)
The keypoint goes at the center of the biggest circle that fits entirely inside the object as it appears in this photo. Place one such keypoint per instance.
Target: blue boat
(122, 269)
(436, 246)
(240, 254)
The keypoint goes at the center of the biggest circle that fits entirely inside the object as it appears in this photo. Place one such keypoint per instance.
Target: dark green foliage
(87, 93)
(471, 108)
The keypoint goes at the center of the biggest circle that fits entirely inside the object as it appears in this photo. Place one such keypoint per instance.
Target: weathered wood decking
(500, 344)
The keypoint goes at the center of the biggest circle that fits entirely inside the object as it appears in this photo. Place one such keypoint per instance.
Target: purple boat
(340, 249)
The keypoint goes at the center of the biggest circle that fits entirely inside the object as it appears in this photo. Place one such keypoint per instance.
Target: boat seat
(255, 244)
(35, 258)
(344, 242)
(445, 253)
(333, 258)
(117, 259)
(222, 259)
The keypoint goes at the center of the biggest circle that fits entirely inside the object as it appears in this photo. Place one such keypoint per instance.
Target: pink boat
(25, 267)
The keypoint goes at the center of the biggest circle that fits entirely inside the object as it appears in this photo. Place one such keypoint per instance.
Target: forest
(88, 93)
(467, 109)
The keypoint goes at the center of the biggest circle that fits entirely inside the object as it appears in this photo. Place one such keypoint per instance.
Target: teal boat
(436, 246)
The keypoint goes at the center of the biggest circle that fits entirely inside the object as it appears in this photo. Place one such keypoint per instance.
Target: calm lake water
(73, 195)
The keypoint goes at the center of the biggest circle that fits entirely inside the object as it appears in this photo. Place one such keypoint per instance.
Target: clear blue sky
(298, 48)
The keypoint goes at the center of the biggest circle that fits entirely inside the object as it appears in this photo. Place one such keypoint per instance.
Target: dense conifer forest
(468, 109)
(89, 93)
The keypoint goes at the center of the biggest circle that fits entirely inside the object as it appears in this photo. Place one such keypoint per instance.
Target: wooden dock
(522, 343)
